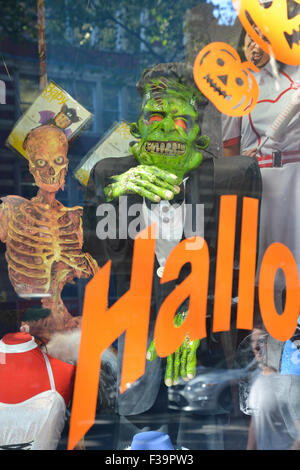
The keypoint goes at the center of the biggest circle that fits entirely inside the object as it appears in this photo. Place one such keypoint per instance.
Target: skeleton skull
(46, 149)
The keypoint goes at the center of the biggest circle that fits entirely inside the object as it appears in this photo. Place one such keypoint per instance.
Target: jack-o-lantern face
(278, 22)
(225, 80)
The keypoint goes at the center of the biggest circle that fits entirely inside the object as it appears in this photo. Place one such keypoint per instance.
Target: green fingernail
(157, 198)
(168, 382)
(177, 189)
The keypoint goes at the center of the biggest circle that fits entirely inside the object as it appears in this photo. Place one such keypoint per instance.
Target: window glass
(149, 186)
(29, 91)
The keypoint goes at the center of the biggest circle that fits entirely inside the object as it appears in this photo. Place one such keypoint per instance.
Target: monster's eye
(41, 163)
(180, 122)
(155, 117)
(59, 160)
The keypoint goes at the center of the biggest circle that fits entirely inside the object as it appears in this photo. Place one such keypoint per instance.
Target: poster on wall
(115, 143)
(54, 106)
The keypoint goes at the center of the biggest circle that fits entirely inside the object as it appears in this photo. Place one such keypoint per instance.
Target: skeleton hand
(147, 181)
(181, 363)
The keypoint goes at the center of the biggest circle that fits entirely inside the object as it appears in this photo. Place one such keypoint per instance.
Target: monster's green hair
(173, 78)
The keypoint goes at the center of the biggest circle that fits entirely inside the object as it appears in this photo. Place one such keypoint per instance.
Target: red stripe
(287, 76)
(253, 129)
(230, 142)
(284, 154)
(278, 97)
(270, 163)
(282, 93)
(291, 152)
(265, 165)
(291, 160)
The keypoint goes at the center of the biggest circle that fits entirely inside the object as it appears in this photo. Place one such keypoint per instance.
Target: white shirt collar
(17, 348)
(266, 70)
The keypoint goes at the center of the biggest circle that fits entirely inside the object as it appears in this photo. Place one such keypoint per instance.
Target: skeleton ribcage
(42, 247)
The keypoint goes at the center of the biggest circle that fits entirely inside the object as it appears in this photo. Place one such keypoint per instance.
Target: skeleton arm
(86, 266)
(3, 222)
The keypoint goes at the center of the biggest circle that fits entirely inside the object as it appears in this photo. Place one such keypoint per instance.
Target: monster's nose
(167, 124)
(51, 171)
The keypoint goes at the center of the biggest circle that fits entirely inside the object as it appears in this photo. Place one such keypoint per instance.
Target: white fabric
(280, 209)
(169, 233)
(274, 400)
(275, 92)
(17, 348)
(36, 423)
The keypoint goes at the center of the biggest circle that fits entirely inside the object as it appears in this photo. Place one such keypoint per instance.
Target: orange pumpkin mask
(225, 80)
(279, 23)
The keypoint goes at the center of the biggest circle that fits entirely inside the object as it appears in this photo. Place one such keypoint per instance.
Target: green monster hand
(183, 362)
(145, 180)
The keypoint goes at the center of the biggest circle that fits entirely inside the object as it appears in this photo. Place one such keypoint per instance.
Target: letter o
(280, 326)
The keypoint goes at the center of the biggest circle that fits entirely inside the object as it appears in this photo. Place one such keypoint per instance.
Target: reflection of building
(103, 82)
(200, 29)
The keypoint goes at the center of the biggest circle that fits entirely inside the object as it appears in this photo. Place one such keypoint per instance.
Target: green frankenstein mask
(168, 127)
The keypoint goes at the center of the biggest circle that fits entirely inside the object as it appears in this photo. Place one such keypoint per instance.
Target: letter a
(167, 337)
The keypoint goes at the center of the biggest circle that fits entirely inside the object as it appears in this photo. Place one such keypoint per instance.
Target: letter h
(102, 326)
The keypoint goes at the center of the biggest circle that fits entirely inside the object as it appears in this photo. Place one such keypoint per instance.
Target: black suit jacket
(213, 178)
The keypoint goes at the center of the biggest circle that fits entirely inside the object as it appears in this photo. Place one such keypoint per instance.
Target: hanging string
(42, 43)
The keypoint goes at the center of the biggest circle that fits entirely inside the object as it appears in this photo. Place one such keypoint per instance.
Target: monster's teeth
(169, 148)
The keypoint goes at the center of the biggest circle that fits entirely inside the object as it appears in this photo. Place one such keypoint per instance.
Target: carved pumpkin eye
(274, 26)
(293, 9)
(232, 89)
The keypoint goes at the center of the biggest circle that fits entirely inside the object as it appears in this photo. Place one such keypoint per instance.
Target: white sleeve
(231, 130)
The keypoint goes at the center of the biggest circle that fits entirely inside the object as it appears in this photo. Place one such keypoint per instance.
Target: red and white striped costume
(281, 189)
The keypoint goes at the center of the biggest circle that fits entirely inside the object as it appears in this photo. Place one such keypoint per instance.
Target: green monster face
(169, 133)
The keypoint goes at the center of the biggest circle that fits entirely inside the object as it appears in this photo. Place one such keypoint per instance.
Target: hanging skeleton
(43, 237)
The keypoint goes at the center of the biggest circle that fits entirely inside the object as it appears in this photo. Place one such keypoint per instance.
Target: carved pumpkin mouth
(167, 147)
(293, 38)
(216, 87)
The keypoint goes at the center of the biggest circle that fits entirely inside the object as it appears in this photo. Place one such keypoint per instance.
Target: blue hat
(151, 440)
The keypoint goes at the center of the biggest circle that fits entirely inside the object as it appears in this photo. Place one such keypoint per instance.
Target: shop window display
(134, 63)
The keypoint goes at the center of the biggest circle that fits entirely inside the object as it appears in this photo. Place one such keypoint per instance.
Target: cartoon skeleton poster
(43, 237)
